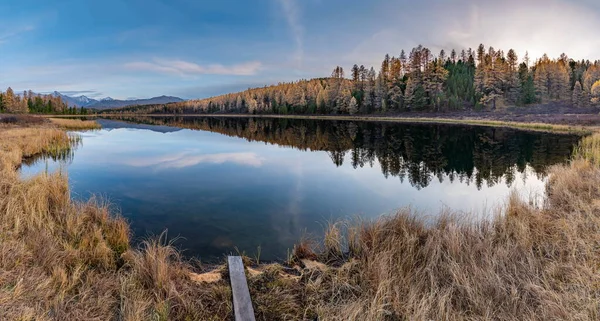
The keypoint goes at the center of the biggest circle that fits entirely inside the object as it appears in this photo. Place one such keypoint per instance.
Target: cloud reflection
(187, 159)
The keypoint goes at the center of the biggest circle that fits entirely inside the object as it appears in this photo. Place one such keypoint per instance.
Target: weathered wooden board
(242, 304)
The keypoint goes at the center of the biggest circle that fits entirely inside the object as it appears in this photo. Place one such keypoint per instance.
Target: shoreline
(397, 266)
(582, 130)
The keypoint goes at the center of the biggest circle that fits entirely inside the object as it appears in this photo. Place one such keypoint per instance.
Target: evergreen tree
(369, 94)
(578, 99)
(355, 74)
(379, 94)
(385, 68)
(435, 78)
(512, 81)
(527, 92)
(353, 106)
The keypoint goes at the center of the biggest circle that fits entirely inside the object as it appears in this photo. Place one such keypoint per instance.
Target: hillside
(419, 81)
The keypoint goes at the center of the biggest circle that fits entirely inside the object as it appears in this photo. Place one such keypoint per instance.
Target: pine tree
(578, 99)
(355, 74)
(480, 54)
(403, 62)
(551, 80)
(395, 97)
(385, 68)
(369, 94)
(353, 106)
(513, 84)
(379, 94)
(463, 56)
(527, 92)
(435, 78)
(489, 78)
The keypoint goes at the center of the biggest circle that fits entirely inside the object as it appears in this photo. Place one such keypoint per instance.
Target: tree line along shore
(481, 79)
(417, 81)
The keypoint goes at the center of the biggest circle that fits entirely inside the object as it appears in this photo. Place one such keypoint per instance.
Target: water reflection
(418, 153)
(247, 182)
(62, 156)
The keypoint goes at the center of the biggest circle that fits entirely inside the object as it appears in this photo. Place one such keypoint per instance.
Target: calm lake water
(222, 183)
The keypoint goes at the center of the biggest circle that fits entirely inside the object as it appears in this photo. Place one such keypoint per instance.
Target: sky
(200, 48)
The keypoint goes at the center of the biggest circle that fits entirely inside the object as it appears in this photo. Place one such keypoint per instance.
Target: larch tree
(11, 102)
(596, 92)
(590, 76)
(435, 77)
(578, 98)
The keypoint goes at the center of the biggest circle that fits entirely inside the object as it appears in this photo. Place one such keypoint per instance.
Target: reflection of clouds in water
(187, 159)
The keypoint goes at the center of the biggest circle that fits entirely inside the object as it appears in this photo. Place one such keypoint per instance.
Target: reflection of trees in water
(61, 155)
(417, 152)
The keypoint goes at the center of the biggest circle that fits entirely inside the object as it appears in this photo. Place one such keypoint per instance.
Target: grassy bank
(533, 126)
(63, 260)
(75, 124)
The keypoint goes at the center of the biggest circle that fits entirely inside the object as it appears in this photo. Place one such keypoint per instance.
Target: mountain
(81, 101)
(108, 102)
(117, 124)
(116, 103)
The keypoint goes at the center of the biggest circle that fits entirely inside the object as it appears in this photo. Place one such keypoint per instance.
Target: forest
(29, 102)
(417, 81)
(417, 153)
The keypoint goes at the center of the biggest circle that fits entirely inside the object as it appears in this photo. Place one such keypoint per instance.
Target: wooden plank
(242, 304)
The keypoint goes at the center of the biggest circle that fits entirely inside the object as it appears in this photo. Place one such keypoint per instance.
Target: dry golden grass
(75, 124)
(527, 264)
(63, 260)
(589, 149)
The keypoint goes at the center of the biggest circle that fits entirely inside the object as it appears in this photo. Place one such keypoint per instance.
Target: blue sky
(195, 49)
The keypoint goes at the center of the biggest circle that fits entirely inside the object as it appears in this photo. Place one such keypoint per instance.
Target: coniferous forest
(484, 78)
(29, 102)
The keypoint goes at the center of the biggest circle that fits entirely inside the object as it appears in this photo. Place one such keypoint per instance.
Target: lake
(228, 184)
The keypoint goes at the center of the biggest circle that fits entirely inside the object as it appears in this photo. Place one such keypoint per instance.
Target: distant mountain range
(104, 103)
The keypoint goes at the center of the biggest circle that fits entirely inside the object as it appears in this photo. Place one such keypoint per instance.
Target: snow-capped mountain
(108, 102)
(80, 101)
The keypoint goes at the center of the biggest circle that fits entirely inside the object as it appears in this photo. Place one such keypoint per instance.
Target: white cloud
(7, 34)
(292, 16)
(182, 67)
(537, 26)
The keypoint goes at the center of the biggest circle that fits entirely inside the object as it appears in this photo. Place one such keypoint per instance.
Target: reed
(65, 260)
(75, 124)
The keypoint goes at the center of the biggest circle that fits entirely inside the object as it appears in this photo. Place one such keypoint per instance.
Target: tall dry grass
(75, 124)
(527, 264)
(589, 150)
(63, 260)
